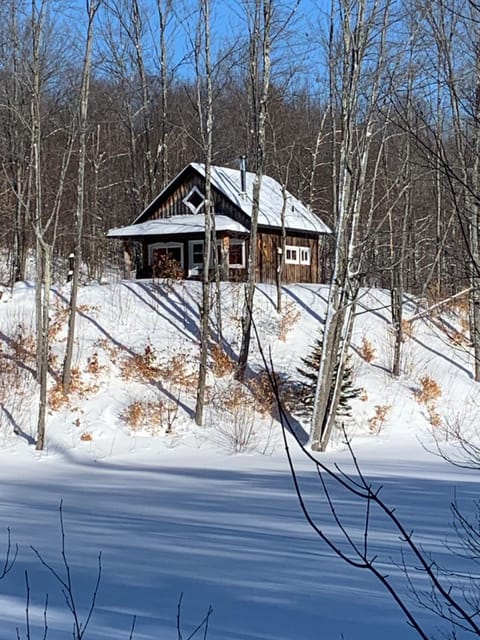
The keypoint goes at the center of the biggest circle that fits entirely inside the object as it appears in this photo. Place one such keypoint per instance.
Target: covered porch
(173, 247)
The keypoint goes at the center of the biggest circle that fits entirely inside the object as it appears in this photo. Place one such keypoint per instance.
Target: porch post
(224, 251)
(127, 260)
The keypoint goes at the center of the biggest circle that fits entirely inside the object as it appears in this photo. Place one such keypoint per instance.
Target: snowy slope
(180, 511)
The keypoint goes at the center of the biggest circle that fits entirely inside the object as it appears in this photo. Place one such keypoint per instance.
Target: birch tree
(44, 222)
(204, 72)
(259, 82)
(398, 257)
(84, 96)
(164, 11)
(451, 26)
(362, 27)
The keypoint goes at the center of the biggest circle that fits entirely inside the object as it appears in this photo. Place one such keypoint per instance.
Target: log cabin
(166, 239)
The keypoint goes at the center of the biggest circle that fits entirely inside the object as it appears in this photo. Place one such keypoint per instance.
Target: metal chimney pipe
(243, 174)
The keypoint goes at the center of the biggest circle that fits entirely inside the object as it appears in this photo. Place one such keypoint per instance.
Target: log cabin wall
(269, 240)
(232, 274)
(268, 258)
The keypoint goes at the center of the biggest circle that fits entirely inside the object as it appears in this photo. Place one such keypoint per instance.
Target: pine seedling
(309, 373)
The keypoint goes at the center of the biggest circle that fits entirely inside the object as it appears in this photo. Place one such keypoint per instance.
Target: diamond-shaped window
(194, 200)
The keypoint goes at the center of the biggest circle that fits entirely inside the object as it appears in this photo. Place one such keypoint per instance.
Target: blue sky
(298, 46)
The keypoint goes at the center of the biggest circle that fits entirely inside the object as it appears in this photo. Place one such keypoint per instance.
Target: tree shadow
(98, 326)
(444, 357)
(320, 319)
(173, 397)
(19, 363)
(160, 295)
(17, 430)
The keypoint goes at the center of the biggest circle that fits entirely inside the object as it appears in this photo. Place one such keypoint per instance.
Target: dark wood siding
(173, 204)
(268, 258)
(235, 275)
(269, 240)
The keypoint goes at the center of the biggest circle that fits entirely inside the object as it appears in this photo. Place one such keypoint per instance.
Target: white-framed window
(195, 254)
(194, 200)
(305, 255)
(195, 258)
(236, 254)
(171, 250)
(297, 255)
(291, 255)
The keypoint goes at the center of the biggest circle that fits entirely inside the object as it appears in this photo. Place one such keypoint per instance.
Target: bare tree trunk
(396, 295)
(315, 159)
(163, 10)
(355, 20)
(19, 177)
(206, 125)
(281, 250)
(92, 7)
(37, 26)
(260, 81)
(97, 240)
(399, 262)
(475, 308)
(44, 226)
(439, 235)
(475, 214)
(43, 283)
(44, 344)
(279, 155)
(149, 171)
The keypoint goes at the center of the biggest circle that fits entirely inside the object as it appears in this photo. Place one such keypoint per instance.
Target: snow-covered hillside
(174, 507)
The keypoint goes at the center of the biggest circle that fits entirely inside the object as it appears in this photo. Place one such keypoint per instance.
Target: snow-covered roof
(176, 225)
(298, 217)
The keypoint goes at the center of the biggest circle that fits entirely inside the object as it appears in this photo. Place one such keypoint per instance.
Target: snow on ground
(182, 512)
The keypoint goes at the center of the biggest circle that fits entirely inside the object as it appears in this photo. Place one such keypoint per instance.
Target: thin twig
(9, 561)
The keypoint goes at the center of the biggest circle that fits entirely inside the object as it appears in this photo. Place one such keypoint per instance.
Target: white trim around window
(195, 266)
(194, 191)
(297, 255)
(240, 265)
(166, 246)
(305, 255)
(291, 254)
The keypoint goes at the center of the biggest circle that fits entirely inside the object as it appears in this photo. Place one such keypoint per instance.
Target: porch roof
(176, 225)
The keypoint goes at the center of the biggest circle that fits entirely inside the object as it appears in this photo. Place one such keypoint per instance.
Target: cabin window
(291, 255)
(195, 253)
(297, 255)
(170, 250)
(236, 254)
(305, 255)
(194, 200)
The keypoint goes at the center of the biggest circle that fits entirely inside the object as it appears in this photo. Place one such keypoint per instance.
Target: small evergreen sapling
(309, 374)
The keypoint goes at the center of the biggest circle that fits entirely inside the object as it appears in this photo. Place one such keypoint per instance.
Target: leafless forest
(367, 110)
(391, 89)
